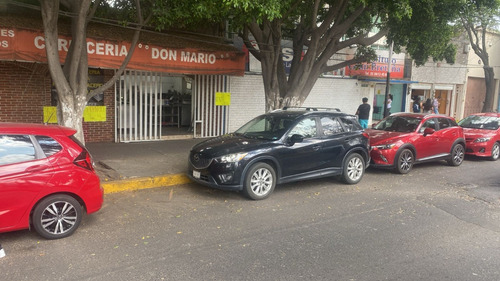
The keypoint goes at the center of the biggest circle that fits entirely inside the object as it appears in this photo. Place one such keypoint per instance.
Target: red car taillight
(85, 161)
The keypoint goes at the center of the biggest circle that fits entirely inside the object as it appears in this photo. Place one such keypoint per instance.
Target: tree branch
(344, 64)
(248, 44)
(78, 41)
(133, 44)
(334, 14)
(91, 14)
(49, 10)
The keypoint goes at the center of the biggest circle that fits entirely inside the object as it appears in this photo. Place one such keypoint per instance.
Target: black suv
(282, 146)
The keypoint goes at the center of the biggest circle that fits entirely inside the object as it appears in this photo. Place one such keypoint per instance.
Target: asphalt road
(436, 223)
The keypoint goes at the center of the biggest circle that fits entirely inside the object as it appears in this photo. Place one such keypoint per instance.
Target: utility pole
(388, 81)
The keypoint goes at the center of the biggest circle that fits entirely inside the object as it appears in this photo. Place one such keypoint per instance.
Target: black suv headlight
(233, 157)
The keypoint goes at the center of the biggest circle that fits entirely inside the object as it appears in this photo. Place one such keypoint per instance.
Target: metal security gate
(138, 107)
(209, 119)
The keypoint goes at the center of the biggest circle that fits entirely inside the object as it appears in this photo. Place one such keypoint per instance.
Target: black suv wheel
(260, 181)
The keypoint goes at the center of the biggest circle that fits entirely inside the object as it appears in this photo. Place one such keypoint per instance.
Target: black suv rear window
(48, 145)
(16, 149)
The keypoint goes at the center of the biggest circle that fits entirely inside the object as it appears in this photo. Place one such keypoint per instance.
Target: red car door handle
(36, 168)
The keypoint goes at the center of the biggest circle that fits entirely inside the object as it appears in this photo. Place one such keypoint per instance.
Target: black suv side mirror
(295, 138)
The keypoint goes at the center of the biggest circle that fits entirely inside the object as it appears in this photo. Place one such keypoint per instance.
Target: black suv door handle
(316, 147)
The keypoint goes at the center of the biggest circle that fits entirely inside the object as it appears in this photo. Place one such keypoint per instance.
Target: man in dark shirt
(363, 113)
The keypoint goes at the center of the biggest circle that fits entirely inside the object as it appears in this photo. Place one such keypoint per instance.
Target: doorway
(442, 97)
(152, 106)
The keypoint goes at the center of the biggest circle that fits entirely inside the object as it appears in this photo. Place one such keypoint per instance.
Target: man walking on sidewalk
(363, 113)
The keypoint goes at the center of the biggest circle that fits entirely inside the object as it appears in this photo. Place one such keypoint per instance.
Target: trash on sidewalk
(2, 252)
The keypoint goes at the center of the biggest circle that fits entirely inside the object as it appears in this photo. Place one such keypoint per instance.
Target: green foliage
(482, 13)
(427, 32)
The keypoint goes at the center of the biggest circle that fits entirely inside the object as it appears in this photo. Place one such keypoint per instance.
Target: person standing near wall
(417, 106)
(427, 106)
(435, 104)
(388, 106)
(363, 113)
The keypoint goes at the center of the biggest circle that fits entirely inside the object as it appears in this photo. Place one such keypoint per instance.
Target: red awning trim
(28, 45)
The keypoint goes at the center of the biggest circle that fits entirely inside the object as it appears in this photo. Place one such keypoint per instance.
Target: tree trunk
(70, 111)
(489, 79)
(71, 79)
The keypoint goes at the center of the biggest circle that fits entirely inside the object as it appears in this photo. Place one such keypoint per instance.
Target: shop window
(95, 80)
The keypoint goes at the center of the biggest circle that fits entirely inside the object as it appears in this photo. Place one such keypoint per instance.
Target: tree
(321, 28)
(477, 16)
(70, 79)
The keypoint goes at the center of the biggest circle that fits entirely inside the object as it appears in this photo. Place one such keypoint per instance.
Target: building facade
(188, 89)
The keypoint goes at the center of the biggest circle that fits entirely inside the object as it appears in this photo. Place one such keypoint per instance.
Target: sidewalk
(131, 166)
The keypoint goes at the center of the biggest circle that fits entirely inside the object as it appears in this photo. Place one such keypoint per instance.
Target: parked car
(482, 134)
(282, 146)
(403, 139)
(47, 180)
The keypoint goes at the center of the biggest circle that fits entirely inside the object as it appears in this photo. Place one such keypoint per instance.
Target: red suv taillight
(84, 160)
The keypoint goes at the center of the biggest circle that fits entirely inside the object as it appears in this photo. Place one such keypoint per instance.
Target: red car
(47, 179)
(403, 139)
(482, 134)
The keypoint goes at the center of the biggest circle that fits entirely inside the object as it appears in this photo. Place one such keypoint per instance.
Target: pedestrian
(427, 106)
(388, 106)
(435, 104)
(417, 106)
(363, 113)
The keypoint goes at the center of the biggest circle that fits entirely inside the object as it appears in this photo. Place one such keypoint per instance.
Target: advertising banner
(379, 67)
(28, 45)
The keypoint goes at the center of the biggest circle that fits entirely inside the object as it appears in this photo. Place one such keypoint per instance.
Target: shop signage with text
(29, 45)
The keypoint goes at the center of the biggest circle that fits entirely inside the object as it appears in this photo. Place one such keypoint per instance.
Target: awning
(421, 86)
(444, 87)
(392, 81)
(169, 53)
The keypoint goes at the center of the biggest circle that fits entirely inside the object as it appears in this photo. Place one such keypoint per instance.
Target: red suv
(47, 179)
(482, 133)
(403, 139)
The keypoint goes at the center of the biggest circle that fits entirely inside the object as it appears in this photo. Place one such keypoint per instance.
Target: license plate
(196, 174)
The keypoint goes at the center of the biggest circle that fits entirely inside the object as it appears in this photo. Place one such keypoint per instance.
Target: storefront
(374, 77)
(173, 85)
(445, 94)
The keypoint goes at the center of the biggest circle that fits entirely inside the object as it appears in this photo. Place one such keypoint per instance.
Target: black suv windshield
(268, 127)
(480, 122)
(402, 124)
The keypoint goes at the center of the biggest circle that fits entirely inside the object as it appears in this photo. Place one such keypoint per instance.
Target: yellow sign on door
(222, 98)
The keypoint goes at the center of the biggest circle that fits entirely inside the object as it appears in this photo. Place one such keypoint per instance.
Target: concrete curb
(144, 183)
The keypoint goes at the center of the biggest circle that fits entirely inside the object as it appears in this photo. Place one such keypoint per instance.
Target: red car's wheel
(404, 161)
(495, 152)
(457, 155)
(57, 216)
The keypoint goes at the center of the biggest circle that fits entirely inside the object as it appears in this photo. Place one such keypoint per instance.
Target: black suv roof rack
(311, 108)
